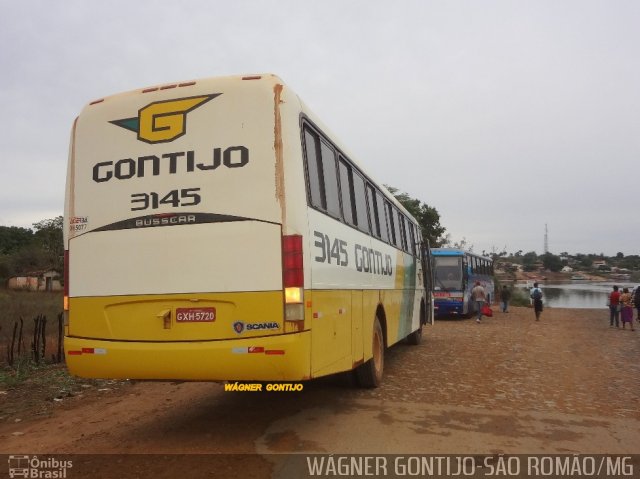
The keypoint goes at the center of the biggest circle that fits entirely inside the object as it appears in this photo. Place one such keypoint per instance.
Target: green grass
(25, 370)
(10, 377)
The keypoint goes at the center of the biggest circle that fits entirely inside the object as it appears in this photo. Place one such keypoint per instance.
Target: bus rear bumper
(269, 358)
(449, 308)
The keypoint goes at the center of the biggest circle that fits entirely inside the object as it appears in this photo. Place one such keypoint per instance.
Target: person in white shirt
(478, 296)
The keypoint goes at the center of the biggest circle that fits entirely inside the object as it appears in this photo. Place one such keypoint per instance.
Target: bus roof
(455, 252)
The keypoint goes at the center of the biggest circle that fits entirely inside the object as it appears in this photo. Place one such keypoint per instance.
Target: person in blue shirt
(536, 296)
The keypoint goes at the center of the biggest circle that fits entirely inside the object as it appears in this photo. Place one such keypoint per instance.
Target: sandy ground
(567, 384)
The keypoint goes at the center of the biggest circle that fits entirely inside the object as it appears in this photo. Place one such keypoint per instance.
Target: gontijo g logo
(163, 121)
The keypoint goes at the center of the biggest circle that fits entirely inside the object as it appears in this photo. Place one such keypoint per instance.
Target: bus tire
(415, 338)
(369, 374)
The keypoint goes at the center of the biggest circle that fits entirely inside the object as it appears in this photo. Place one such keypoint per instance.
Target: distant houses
(48, 280)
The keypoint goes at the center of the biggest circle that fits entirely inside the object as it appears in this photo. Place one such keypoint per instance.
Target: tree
(551, 262)
(48, 236)
(29, 259)
(529, 261)
(494, 254)
(427, 216)
(584, 260)
(13, 238)
(462, 244)
(631, 262)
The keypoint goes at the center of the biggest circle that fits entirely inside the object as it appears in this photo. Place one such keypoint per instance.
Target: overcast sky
(503, 115)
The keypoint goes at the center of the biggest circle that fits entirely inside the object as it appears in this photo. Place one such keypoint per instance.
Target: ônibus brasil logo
(163, 121)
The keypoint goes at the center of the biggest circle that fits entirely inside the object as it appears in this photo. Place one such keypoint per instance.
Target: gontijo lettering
(367, 260)
(171, 163)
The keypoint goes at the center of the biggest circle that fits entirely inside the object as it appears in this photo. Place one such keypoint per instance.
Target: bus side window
(412, 238)
(330, 180)
(382, 217)
(346, 190)
(311, 148)
(403, 231)
(390, 219)
(373, 211)
(362, 215)
(396, 228)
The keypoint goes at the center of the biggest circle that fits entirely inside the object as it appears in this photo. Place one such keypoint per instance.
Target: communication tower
(546, 239)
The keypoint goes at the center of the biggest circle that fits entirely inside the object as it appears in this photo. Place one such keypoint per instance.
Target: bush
(520, 297)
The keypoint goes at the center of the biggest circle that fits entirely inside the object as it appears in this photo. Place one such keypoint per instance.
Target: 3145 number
(175, 198)
(336, 251)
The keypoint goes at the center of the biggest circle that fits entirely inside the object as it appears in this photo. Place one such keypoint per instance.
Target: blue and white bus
(455, 273)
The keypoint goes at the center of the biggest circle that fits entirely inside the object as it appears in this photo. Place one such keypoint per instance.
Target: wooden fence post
(21, 337)
(36, 335)
(43, 335)
(60, 336)
(10, 356)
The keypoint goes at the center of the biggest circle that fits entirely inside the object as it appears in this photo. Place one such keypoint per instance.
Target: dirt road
(566, 384)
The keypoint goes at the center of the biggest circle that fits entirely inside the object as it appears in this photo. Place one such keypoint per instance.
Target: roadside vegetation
(26, 314)
(520, 297)
(30, 388)
(23, 250)
(21, 312)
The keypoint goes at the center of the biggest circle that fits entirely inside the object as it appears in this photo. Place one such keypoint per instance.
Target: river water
(580, 294)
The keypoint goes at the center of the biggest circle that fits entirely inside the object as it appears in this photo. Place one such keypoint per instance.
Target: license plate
(195, 315)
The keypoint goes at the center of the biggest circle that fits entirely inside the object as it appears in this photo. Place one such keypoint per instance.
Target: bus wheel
(369, 374)
(415, 338)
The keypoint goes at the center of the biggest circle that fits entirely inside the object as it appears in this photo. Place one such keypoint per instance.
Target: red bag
(486, 310)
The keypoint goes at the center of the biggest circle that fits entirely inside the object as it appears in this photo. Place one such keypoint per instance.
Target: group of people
(621, 306)
(478, 296)
(536, 299)
(621, 303)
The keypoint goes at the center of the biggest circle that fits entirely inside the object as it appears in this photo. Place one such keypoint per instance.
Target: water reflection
(579, 295)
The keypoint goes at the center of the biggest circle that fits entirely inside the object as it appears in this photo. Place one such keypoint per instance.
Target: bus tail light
(293, 277)
(65, 304)
(292, 262)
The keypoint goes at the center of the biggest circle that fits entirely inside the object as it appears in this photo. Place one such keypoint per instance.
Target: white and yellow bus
(214, 230)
